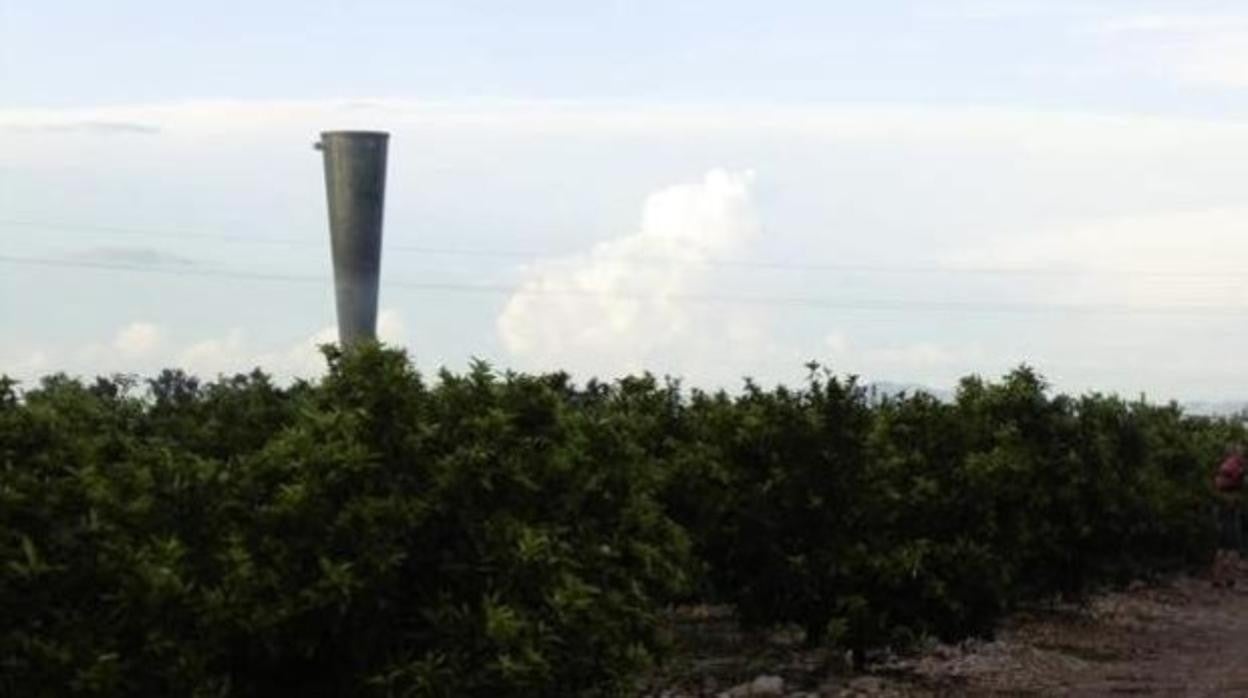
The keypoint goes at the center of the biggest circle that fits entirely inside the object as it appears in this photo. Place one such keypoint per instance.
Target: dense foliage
(877, 522)
(495, 535)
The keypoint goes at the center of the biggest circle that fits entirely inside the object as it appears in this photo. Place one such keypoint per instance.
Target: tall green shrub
(370, 535)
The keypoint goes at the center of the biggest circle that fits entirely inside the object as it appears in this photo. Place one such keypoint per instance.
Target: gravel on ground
(1181, 637)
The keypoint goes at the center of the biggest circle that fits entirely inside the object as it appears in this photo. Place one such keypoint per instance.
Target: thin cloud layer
(143, 348)
(138, 339)
(235, 352)
(1154, 261)
(131, 256)
(1200, 49)
(90, 127)
(870, 186)
(939, 363)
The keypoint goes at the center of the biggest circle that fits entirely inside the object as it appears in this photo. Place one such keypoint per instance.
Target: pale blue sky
(889, 143)
(60, 53)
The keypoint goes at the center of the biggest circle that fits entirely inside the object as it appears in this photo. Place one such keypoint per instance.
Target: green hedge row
(512, 535)
(876, 522)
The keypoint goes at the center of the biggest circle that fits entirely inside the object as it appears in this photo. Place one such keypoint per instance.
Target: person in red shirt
(1228, 484)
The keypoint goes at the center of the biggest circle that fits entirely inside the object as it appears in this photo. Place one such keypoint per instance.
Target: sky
(907, 191)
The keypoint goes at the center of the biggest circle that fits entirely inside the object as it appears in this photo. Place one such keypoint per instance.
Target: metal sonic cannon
(355, 187)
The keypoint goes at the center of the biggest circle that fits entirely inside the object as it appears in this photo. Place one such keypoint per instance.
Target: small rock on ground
(761, 686)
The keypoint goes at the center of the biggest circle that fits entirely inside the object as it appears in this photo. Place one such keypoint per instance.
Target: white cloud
(618, 305)
(391, 328)
(107, 128)
(143, 348)
(131, 255)
(1200, 49)
(1170, 23)
(855, 184)
(234, 352)
(1220, 59)
(209, 357)
(304, 358)
(1008, 9)
(25, 365)
(198, 123)
(937, 363)
(131, 348)
(1149, 260)
(138, 339)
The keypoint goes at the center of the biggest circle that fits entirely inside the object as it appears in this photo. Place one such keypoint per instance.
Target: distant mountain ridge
(879, 390)
(1221, 408)
(884, 389)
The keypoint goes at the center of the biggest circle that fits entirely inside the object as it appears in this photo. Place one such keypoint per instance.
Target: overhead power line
(847, 304)
(532, 256)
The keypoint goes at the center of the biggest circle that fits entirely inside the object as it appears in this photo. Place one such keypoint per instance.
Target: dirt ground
(1178, 638)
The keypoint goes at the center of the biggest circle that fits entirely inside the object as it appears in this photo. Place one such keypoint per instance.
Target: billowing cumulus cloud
(620, 303)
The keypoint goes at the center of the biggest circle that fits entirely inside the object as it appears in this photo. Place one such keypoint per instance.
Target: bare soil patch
(1181, 637)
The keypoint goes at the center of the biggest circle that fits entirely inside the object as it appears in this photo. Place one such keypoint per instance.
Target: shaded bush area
(367, 535)
(509, 535)
(875, 523)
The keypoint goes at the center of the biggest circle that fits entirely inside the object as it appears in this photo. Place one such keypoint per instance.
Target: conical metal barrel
(355, 184)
